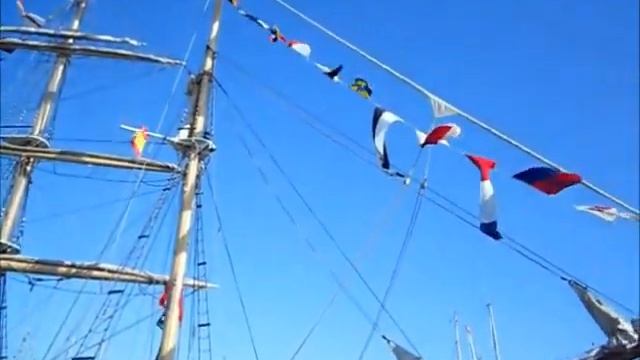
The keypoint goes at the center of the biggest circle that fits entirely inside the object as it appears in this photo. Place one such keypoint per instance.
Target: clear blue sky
(561, 76)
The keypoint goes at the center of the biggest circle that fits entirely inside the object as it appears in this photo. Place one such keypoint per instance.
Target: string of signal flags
(545, 179)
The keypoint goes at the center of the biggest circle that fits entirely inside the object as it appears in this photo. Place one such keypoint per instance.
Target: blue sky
(560, 76)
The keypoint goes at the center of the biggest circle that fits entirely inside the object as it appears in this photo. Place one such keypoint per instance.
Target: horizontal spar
(11, 44)
(88, 270)
(87, 158)
(66, 34)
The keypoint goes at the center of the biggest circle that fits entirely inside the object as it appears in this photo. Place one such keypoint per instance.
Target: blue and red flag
(549, 181)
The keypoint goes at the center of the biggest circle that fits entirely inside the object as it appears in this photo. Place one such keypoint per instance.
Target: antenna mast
(494, 335)
(199, 149)
(22, 176)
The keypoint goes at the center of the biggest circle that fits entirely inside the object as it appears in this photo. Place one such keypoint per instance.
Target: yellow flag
(138, 141)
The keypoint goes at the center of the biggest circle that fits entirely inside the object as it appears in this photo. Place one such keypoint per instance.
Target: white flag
(441, 108)
(607, 213)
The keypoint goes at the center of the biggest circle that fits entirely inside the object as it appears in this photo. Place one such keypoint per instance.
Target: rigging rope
(109, 86)
(84, 209)
(34, 282)
(136, 257)
(394, 273)
(113, 235)
(113, 335)
(232, 268)
(85, 282)
(314, 326)
(152, 183)
(465, 115)
(382, 221)
(325, 228)
(529, 254)
(352, 143)
(38, 66)
(200, 318)
(303, 236)
(518, 247)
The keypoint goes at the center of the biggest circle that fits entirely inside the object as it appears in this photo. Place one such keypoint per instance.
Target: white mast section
(494, 335)
(200, 148)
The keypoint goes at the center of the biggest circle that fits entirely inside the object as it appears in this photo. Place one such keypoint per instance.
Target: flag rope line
(465, 115)
(312, 118)
(532, 256)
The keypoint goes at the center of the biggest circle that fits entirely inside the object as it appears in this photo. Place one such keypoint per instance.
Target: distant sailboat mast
(494, 335)
(472, 347)
(458, 350)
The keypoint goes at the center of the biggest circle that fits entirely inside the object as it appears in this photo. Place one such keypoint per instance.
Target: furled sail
(86, 270)
(11, 44)
(66, 34)
(86, 158)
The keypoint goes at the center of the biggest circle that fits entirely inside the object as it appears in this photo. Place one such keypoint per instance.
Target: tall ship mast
(121, 207)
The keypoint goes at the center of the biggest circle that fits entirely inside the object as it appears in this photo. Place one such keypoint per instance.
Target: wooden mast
(200, 149)
(33, 147)
(22, 176)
